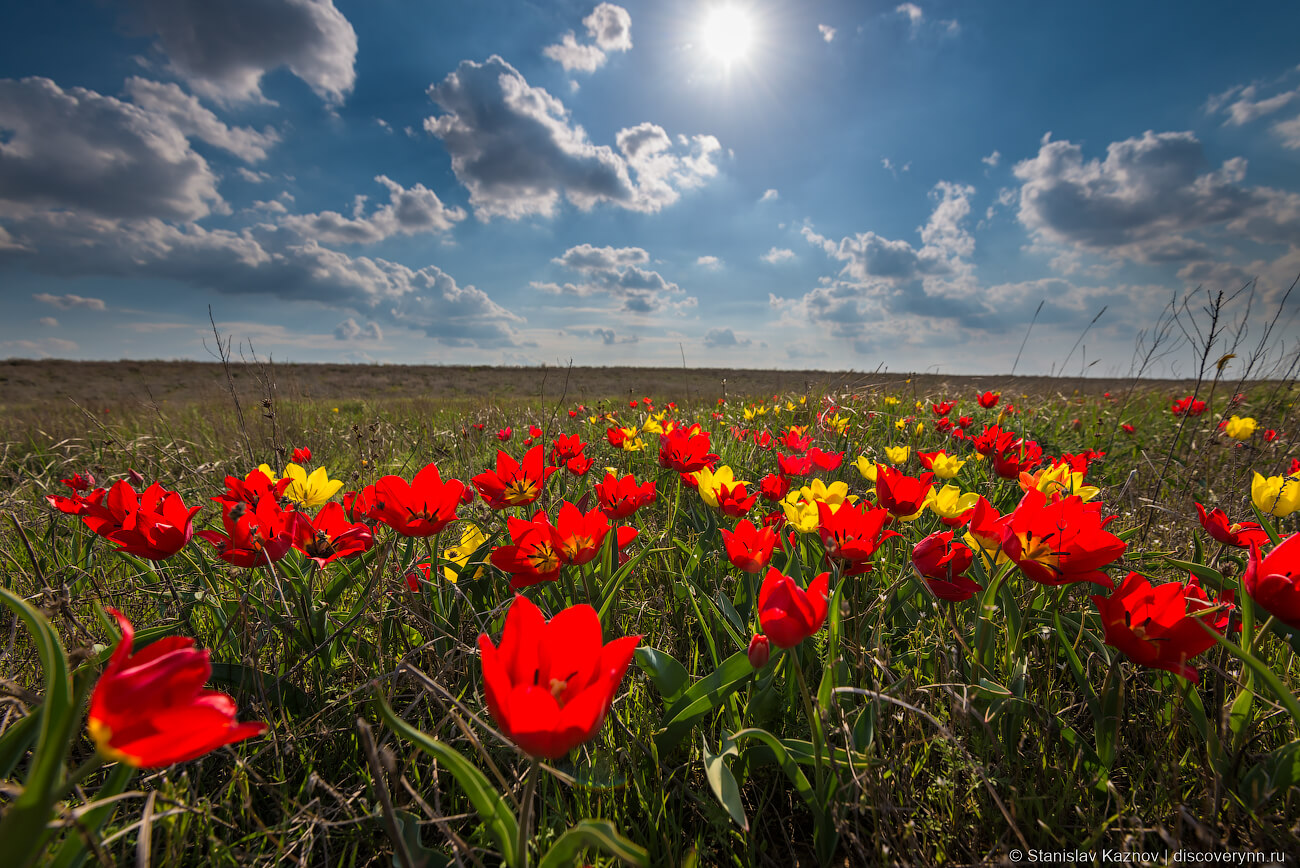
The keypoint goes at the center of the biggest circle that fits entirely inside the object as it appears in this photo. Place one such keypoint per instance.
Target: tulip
(989, 400)
(1240, 428)
(749, 548)
(1274, 581)
(942, 562)
(787, 613)
(1157, 626)
(1062, 542)
(421, 508)
(904, 496)
(149, 709)
(535, 555)
(549, 684)
(1278, 496)
(943, 465)
(330, 536)
(620, 497)
(155, 524)
(1240, 534)
(457, 557)
(685, 450)
(256, 535)
(722, 491)
(852, 533)
(760, 651)
(513, 483)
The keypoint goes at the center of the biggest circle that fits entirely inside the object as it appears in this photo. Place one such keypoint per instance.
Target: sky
(942, 186)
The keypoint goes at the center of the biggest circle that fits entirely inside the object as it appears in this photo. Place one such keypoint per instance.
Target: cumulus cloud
(70, 301)
(827, 32)
(1148, 200)
(514, 148)
(350, 330)
(776, 255)
(192, 119)
(769, 195)
(911, 11)
(617, 272)
(992, 159)
(408, 212)
(723, 337)
(263, 260)
(222, 50)
(76, 149)
(252, 177)
(709, 262)
(49, 322)
(610, 29)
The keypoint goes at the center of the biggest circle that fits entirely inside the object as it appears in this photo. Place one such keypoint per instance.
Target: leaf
(1205, 573)
(1277, 772)
(670, 677)
(22, 831)
(408, 825)
(490, 805)
(723, 783)
(702, 697)
(262, 685)
(784, 760)
(599, 835)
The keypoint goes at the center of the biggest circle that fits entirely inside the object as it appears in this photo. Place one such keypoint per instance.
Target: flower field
(843, 626)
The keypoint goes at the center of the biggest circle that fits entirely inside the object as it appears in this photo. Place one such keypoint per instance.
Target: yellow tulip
(867, 468)
(1058, 480)
(310, 491)
(1239, 428)
(950, 502)
(709, 483)
(1279, 496)
(800, 514)
(819, 492)
(945, 466)
(471, 540)
(897, 454)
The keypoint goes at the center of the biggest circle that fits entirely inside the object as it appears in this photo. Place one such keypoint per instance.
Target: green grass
(953, 761)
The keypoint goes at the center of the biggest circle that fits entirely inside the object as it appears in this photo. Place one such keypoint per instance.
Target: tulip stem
(526, 813)
(814, 720)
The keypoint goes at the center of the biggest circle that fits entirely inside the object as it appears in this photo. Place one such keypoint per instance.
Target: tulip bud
(135, 477)
(760, 650)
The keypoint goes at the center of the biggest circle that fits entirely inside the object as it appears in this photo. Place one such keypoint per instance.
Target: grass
(953, 732)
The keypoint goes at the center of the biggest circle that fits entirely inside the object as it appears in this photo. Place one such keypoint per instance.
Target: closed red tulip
(788, 613)
(549, 684)
(942, 562)
(1274, 581)
(749, 548)
(150, 709)
(760, 651)
(619, 497)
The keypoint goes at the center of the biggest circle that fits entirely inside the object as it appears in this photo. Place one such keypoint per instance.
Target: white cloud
(724, 337)
(769, 195)
(710, 262)
(992, 159)
(827, 32)
(777, 255)
(87, 153)
(1148, 200)
(41, 349)
(513, 147)
(408, 212)
(70, 301)
(608, 25)
(618, 273)
(49, 322)
(1288, 132)
(223, 49)
(912, 11)
(572, 55)
(349, 330)
(252, 177)
(192, 119)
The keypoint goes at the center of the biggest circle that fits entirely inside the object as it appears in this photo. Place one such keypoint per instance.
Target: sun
(727, 34)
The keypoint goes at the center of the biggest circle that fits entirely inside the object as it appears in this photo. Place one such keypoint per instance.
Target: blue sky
(827, 185)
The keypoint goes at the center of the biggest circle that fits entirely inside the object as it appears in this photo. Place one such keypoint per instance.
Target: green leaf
(702, 697)
(408, 825)
(599, 835)
(262, 685)
(723, 783)
(620, 576)
(1205, 573)
(17, 739)
(670, 677)
(22, 831)
(1276, 773)
(783, 759)
(490, 805)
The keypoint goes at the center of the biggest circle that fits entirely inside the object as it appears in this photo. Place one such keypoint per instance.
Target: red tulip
(852, 533)
(535, 555)
(512, 483)
(1061, 542)
(989, 400)
(252, 489)
(566, 447)
(823, 460)
(1274, 581)
(774, 487)
(789, 614)
(1013, 455)
(1157, 626)
(149, 709)
(942, 562)
(943, 408)
(620, 497)
(760, 651)
(685, 450)
(155, 524)
(578, 465)
(748, 547)
(580, 535)
(550, 684)
(255, 535)
(794, 440)
(1240, 534)
(420, 508)
(794, 465)
(901, 494)
(330, 536)
(301, 455)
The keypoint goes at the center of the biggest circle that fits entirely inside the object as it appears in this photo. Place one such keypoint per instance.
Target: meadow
(834, 619)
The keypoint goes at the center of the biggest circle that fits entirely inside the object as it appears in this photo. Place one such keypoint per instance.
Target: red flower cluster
(1158, 626)
(942, 562)
(686, 450)
(1188, 406)
(154, 524)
